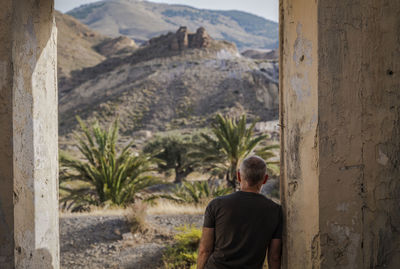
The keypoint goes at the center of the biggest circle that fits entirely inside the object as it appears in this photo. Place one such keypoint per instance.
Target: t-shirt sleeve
(278, 230)
(209, 216)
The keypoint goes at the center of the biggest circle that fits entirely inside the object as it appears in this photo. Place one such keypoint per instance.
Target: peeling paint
(347, 243)
(342, 207)
(316, 252)
(301, 86)
(382, 158)
(292, 187)
(302, 48)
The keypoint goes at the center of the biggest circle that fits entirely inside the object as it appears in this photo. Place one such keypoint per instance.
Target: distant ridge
(143, 20)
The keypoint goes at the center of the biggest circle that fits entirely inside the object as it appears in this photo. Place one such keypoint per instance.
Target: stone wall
(340, 112)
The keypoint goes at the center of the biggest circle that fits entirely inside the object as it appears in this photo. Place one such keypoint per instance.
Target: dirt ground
(106, 242)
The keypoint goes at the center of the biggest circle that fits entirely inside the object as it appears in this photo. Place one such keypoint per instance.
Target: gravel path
(106, 242)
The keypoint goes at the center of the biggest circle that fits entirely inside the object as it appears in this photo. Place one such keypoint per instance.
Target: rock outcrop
(116, 45)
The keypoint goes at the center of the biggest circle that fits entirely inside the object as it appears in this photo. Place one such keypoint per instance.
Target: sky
(268, 9)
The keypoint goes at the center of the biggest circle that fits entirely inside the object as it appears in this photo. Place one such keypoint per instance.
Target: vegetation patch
(183, 253)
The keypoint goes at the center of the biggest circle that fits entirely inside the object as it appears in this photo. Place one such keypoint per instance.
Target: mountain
(178, 80)
(142, 20)
(80, 47)
(76, 43)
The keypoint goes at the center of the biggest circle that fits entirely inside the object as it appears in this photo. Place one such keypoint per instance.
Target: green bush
(183, 253)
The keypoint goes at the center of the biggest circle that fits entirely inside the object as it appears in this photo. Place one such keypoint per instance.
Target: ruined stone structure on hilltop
(340, 133)
(183, 39)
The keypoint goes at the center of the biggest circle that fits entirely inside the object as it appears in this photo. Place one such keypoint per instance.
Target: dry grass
(136, 215)
(96, 211)
(165, 207)
(141, 210)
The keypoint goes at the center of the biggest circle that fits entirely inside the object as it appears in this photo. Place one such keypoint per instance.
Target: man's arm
(274, 254)
(206, 247)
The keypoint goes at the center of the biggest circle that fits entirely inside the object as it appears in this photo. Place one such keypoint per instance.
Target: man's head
(253, 170)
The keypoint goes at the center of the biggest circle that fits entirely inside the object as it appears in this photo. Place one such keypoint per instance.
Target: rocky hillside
(142, 20)
(179, 80)
(262, 55)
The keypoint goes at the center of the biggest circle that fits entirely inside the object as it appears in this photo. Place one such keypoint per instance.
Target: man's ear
(265, 179)
(238, 176)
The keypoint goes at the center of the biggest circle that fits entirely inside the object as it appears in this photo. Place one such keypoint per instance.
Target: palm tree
(173, 153)
(268, 154)
(111, 176)
(231, 142)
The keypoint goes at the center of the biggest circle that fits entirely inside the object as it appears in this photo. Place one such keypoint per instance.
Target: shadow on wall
(42, 259)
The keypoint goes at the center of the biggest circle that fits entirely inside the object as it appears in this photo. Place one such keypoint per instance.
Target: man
(240, 227)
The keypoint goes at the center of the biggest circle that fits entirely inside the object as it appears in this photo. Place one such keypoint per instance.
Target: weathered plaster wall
(299, 118)
(30, 97)
(359, 110)
(340, 67)
(6, 149)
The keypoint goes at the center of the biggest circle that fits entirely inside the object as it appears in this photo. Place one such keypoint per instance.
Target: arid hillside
(76, 44)
(178, 80)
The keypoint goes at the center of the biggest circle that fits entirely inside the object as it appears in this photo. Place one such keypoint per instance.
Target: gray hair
(253, 169)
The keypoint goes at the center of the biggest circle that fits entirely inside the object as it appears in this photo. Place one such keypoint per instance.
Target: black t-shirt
(244, 223)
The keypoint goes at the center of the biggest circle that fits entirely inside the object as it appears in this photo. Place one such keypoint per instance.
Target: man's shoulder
(273, 202)
(220, 199)
(239, 195)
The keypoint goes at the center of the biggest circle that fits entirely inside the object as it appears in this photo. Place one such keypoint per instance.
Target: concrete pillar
(340, 116)
(28, 140)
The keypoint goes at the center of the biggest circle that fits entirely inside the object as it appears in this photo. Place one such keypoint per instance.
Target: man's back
(244, 223)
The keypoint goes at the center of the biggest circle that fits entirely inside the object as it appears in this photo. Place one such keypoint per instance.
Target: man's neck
(250, 189)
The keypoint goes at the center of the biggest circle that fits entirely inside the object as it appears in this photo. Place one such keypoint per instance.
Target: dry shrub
(136, 215)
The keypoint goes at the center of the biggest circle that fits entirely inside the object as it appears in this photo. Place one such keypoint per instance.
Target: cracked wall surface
(360, 69)
(340, 73)
(31, 99)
